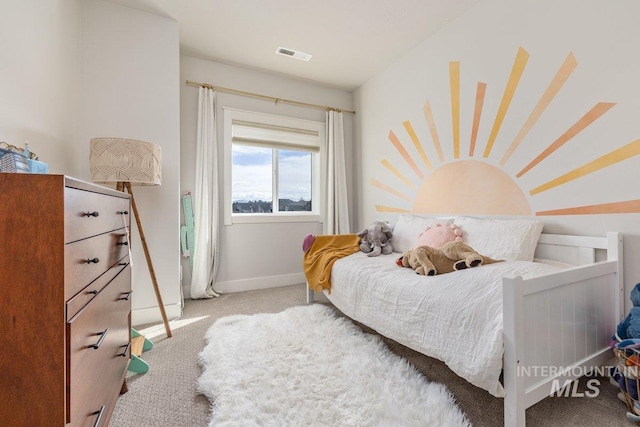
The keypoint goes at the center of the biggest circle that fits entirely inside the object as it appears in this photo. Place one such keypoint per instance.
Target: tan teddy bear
(453, 256)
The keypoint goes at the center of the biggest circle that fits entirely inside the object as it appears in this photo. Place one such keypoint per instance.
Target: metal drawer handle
(99, 414)
(126, 350)
(123, 244)
(93, 260)
(123, 212)
(93, 292)
(126, 296)
(102, 334)
(92, 213)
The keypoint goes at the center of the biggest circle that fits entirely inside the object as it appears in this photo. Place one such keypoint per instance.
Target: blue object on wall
(187, 234)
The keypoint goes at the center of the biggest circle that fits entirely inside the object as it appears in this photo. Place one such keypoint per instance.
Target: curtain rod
(268, 98)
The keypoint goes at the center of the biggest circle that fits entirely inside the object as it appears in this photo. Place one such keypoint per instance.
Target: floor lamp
(128, 162)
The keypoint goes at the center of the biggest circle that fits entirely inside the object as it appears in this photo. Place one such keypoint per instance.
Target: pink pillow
(439, 234)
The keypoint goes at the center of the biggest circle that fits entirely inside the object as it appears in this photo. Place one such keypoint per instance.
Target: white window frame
(232, 115)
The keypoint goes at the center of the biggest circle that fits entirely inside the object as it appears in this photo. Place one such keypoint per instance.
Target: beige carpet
(166, 395)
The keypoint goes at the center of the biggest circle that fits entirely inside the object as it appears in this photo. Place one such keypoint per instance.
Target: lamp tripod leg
(147, 256)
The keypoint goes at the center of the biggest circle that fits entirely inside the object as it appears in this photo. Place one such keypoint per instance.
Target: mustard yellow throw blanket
(324, 251)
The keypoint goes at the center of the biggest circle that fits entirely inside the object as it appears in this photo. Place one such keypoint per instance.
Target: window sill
(271, 218)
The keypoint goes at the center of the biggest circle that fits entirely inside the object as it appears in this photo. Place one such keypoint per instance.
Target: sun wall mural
(502, 191)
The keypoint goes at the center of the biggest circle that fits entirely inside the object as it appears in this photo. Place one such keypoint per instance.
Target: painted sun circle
(455, 187)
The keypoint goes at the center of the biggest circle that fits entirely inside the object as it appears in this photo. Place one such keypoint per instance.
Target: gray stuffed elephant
(375, 239)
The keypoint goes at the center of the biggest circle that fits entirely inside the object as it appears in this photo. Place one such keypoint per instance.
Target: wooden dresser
(65, 309)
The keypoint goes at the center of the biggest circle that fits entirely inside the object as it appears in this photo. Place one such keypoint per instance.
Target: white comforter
(454, 317)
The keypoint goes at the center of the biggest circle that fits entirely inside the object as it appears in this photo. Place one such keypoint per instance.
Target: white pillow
(408, 228)
(505, 239)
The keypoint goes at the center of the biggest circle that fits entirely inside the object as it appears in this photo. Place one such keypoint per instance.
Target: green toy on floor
(139, 344)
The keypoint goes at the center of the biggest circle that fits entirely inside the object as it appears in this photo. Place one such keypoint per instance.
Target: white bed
(529, 320)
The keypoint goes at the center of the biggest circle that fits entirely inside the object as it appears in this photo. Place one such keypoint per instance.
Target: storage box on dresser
(65, 284)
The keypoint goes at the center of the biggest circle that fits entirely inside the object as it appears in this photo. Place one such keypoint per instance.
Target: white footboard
(558, 326)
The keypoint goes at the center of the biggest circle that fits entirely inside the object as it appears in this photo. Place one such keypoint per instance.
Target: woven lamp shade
(125, 160)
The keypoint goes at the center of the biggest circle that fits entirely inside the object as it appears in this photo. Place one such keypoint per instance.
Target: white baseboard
(143, 316)
(255, 283)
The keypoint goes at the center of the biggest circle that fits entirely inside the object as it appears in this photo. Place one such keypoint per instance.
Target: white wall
(252, 256)
(130, 89)
(86, 68)
(603, 37)
(40, 48)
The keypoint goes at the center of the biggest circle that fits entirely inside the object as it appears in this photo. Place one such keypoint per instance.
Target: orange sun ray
(388, 189)
(622, 153)
(591, 116)
(454, 79)
(403, 152)
(428, 115)
(629, 206)
(417, 144)
(397, 173)
(382, 208)
(561, 77)
(512, 84)
(477, 113)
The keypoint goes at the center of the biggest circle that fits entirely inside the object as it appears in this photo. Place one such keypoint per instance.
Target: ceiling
(350, 40)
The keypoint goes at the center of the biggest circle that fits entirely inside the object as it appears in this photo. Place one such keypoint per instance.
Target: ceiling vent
(293, 54)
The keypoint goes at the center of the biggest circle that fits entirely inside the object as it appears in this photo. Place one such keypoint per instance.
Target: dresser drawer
(75, 304)
(99, 351)
(46, 321)
(87, 259)
(88, 214)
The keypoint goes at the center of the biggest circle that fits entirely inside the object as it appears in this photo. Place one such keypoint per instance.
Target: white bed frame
(564, 320)
(558, 326)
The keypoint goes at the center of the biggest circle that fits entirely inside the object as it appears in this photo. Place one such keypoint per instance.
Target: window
(272, 168)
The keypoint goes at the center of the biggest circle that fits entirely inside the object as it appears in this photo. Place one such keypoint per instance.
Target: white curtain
(336, 206)
(205, 200)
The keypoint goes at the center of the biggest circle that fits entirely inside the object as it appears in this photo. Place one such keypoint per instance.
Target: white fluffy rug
(307, 367)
